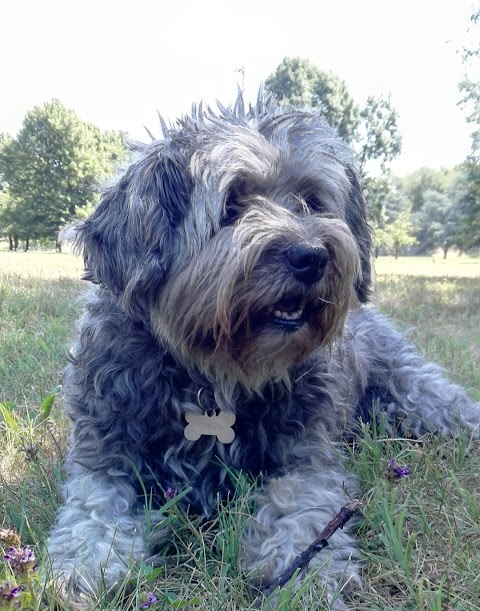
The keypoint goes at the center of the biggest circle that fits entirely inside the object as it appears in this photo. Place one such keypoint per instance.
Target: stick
(302, 560)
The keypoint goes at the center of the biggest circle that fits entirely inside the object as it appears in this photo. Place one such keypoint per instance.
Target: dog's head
(240, 237)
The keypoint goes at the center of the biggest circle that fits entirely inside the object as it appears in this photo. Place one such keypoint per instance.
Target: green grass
(420, 536)
(39, 302)
(454, 266)
(441, 314)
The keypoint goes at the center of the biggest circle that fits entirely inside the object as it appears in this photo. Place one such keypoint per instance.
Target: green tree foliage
(471, 103)
(377, 189)
(421, 181)
(381, 139)
(445, 207)
(467, 207)
(52, 169)
(470, 89)
(7, 209)
(395, 228)
(396, 204)
(468, 187)
(436, 223)
(382, 240)
(372, 131)
(5, 202)
(297, 82)
(400, 232)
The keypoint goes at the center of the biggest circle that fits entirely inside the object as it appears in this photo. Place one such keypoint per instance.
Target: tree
(383, 239)
(400, 232)
(52, 168)
(7, 212)
(467, 207)
(372, 131)
(381, 139)
(471, 102)
(9, 224)
(395, 227)
(4, 206)
(419, 182)
(436, 223)
(471, 91)
(377, 189)
(396, 203)
(468, 186)
(297, 82)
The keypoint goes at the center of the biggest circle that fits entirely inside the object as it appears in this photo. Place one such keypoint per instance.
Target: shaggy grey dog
(232, 264)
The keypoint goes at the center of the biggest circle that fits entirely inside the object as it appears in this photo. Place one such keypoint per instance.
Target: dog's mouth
(289, 314)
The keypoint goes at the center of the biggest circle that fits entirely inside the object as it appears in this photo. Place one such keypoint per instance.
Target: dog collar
(219, 425)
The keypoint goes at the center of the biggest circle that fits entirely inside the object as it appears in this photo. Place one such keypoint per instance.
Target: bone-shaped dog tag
(203, 424)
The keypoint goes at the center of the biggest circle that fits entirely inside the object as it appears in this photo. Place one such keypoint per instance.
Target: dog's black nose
(307, 263)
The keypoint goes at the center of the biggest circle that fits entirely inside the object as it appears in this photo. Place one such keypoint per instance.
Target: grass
(441, 313)
(420, 535)
(436, 266)
(39, 301)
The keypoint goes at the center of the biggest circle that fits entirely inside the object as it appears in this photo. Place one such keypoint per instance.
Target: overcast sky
(117, 62)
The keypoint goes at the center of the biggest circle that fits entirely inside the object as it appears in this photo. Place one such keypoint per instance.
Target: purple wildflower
(170, 492)
(8, 592)
(394, 470)
(21, 560)
(151, 600)
(402, 471)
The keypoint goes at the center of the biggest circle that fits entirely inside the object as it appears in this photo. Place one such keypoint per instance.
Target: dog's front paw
(62, 590)
(292, 511)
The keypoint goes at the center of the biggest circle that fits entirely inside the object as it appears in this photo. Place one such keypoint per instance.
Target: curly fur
(232, 264)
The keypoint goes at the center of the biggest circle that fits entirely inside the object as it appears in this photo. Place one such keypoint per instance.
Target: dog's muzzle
(307, 265)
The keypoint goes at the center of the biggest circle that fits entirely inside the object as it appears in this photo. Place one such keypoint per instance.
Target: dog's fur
(232, 264)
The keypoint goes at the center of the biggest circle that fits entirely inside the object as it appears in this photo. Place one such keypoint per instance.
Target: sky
(118, 63)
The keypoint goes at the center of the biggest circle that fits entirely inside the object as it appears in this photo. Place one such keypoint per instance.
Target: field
(420, 535)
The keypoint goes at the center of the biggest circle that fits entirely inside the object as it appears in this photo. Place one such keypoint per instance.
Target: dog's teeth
(294, 315)
(288, 315)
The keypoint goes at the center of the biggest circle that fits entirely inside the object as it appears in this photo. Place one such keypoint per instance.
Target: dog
(230, 327)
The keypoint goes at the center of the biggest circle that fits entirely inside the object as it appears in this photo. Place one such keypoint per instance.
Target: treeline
(429, 211)
(50, 172)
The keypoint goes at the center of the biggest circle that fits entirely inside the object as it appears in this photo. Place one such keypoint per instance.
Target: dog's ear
(127, 243)
(357, 219)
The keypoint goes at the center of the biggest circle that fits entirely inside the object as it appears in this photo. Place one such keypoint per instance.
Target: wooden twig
(302, 560)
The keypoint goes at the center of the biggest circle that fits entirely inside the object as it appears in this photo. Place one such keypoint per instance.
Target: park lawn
(39, 302)
(43, 264)
(420, 536)
(437, 302)
(435, 266)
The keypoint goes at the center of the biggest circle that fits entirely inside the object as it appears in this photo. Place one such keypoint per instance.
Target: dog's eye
(232, 212)
(313, 202)
(234, 204)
